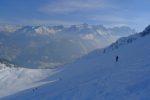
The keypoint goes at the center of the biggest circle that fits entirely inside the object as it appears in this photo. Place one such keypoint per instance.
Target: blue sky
(133, 13)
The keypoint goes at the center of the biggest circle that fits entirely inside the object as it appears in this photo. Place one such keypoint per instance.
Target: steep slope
(98, 77)
(49, 46)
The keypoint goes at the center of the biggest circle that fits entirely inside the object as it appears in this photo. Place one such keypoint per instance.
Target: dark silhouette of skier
(117, 58)
(104, 51)
(34, 89)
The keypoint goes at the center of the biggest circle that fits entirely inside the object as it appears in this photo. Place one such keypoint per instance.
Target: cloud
(46, 22)
(53, 22)
(108, 18)
(68, 6)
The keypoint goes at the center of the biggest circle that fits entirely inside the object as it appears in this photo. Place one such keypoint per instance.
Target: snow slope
(14, 79)
(98, 77)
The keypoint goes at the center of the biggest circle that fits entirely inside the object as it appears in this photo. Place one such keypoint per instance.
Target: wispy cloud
(67, 6)
(53, 22)
(108, 18)
(133, 13)
(46, 22)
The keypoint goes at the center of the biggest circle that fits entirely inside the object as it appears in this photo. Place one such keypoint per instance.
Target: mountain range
(51, 46)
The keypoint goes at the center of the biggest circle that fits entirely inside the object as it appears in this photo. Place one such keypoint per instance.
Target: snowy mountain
(9, 28)
(97, 76)
(49, 46)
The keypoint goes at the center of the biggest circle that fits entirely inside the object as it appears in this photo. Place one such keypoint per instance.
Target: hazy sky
(133, 13)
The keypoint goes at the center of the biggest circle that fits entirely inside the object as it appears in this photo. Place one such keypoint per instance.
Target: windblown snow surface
(97, 76)
(14, 79)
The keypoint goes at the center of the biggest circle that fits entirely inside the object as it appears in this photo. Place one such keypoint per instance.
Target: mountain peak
(6, 62)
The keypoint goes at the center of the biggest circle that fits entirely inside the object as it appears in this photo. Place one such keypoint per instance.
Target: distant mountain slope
(98, 76)
(49, 46)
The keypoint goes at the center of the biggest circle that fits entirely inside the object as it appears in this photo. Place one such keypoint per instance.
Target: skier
(117, 58)
(104, 51)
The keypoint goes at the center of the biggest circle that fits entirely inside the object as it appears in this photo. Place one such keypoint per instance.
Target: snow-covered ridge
(55, 29)
(5, 63)
(43, 30)
(126, 40)
(9, 28)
